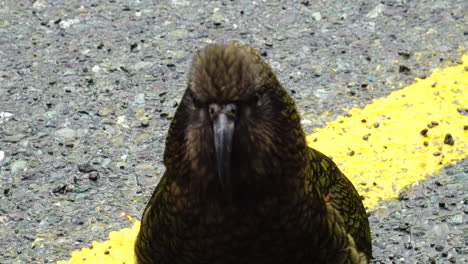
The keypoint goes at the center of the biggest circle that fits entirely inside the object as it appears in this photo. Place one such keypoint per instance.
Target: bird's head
(236, 127)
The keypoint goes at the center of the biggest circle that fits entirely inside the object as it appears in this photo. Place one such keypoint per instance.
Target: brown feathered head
(236, 128)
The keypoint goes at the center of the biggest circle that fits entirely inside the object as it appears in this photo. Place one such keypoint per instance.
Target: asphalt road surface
(88, 88)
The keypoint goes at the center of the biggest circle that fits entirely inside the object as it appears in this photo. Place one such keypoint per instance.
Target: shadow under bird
(241, 185)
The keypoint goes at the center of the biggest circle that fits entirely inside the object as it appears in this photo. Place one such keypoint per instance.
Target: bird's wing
(149, 224)
(343, 197)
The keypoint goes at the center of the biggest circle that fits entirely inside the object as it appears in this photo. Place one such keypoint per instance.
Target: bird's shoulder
(323, 170)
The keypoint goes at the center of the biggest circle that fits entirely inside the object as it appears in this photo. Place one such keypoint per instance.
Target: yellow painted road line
(380, 147)
(118, 249)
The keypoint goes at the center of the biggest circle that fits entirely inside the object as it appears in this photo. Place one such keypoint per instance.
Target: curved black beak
(223, 130)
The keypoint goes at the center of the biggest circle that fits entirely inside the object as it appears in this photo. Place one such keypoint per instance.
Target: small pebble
(439, 247)
(456, 219)
(86, 167)
(437, 153)
(441, 229)
(424, 132)
(18, 166)
(463, 111)
(77, 221)
(93, 176)
(405, 54)
(376, 124)
(433, 124)
(449, 140)
(66, 133)
(404, 69)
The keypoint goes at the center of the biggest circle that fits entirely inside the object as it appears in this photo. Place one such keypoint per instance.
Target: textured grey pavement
(87, 89)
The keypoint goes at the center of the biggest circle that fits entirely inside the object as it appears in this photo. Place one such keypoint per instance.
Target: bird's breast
(273, 229)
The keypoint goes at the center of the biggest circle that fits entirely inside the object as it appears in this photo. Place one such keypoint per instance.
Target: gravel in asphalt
(87, 90)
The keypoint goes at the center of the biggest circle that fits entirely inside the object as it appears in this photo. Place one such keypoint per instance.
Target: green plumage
(285, 202)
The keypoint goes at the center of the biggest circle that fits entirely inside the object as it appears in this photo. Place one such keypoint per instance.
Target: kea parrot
(241, 184)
